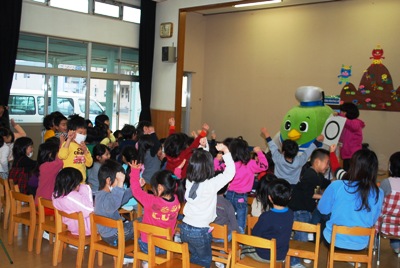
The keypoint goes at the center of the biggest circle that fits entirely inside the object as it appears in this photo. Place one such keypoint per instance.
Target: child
(352, 135)
(201, 202)
(161, 208)
(177, 148)
(259, 204)
(391, 190)
(226, 213)
(48, 166)
(243, 181)
(304, 196)
(8, 137)
(70, 196)
(60, 125)
(101, 154)
(23, 165)
(110, 198)
(288, 164)
(4, 153)
(275, 223)
(74, 152)
(48, 124)
(148, 156)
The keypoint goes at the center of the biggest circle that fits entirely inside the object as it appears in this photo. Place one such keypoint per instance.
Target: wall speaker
(168, 54)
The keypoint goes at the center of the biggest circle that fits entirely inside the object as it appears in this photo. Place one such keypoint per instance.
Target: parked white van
(27, 106)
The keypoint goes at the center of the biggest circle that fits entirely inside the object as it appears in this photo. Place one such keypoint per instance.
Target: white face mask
(79, 138)
(30, 154)
(110, 187)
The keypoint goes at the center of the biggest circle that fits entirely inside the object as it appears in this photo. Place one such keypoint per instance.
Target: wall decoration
(375, 91)
(166, 29)
(345, 73)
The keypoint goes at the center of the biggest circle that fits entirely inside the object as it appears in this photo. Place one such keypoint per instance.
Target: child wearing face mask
(73, 151)
(23, 165)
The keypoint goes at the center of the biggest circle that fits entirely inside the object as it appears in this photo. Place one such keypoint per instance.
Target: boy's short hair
(280, 192)
(351, 110)
(320, 154)
(48, 121)
(109, 169)
(75, 121)
(58, 117)
(290, 148)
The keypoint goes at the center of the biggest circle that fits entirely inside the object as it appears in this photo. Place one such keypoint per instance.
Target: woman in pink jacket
(71, 196)
(352, 136)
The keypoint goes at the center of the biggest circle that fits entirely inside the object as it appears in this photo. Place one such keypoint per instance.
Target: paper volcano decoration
(305, 122)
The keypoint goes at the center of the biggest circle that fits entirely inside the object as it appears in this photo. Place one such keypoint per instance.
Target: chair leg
(6, 216)
(92, 256)
(39, 238)
(79, 257)
(100, 258)
(287, 261)
(118, 262)
(11, 231)
(31, 236)
(56, 250)
(379, 250)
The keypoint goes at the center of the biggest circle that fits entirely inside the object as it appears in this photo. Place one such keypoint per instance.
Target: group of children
(212, 180)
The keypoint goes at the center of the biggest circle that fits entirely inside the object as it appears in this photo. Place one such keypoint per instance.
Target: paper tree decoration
(376, 91)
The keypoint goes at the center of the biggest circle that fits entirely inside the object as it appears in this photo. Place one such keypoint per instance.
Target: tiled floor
(24, 259)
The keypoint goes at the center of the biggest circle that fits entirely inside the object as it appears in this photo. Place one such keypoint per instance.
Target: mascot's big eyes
(288, 125)
(303, 126)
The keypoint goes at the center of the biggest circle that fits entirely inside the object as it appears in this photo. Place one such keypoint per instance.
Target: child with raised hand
(70, 196)
(111, 196)
(48, 166)
(74, 151)
(161, 208)
(243, 181)
(101, 153)
(288, 164)
(201, 199)
(177, 149)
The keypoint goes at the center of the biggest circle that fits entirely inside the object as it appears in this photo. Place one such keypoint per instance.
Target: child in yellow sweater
(74, 152)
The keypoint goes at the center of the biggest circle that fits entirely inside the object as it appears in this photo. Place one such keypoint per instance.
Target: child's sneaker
(219, 265)
(299, 265)
(311, 237)
(307, 261)
(145, 264)
(128, 259)
(353, 264)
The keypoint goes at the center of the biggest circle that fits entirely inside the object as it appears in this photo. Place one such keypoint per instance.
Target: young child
(60, 125)
(177, 148)
(226, 213)
(201, 202)
(161, 208)
(48, 124)
(23, 165)
(352, 135)
(74, 152)
(259, 204)
(110, 198)
(4, 153)
(243, 181)
(101, 154)
(288, 164)
(70, 196)
(48, 166)
(304, 196)
(148, 155)
(275, 223)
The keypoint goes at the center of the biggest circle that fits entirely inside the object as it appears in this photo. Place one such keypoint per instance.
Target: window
(74, 5)
(21, 105)
(67, 54)
(31, 50)
(131, 14)
(106, 9)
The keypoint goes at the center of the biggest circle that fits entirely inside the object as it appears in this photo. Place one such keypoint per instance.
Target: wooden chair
(171, 247)
(306, 250)
(251, 221)
(253, 241)
(5, 201)
(65, 236)
(27, 218)
(98, 245)
(45, 223)
(362, 256)
(221, 251)
(139, 227)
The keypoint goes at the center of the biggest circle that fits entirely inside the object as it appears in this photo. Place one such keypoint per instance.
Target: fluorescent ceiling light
(259, 3)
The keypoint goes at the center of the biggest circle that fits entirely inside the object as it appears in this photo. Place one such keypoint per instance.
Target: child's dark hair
(262, 190)
(109, 169)
(280, 192)
(394, 165)
(351, 110)
(58, 117)
(130, 153)
(47, 153)
(290, 148)
(320, 154)
(89, 123)
(5, 132)
(128, 131)
(118, 133)
(363, 171)
(145, 143)
(93, 135)
(75, 121)
(239, 149)
(200, 167)
(172, 184)
(20, 146)
(54, 140)
(48, 121)
(140, 126)
(99, 150)
(66, 181)
(100, 119)
(1, 141)
(175, 144)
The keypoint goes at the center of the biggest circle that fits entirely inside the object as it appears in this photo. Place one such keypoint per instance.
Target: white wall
(57, 22)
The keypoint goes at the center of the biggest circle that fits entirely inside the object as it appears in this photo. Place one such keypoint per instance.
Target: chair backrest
(4, 191)
(169, 246)
(17, 198)
(107, 222)
(251, 221)
(44, 203)
(78, 216)
(139, 227)
(11, 183)
(220, 232)
(253, 241)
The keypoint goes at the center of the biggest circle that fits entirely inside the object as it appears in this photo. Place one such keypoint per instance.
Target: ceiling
(284, 3)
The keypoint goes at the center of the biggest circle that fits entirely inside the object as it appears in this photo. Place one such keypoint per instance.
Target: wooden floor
(24, 259)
